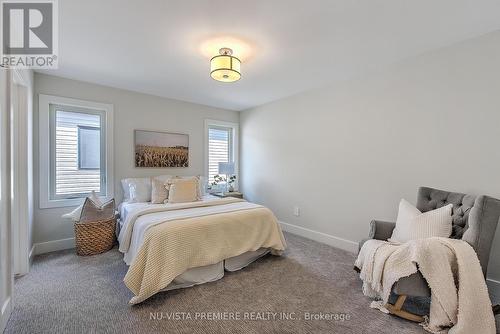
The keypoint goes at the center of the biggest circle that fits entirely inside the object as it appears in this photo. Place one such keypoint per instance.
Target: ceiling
(163, 47)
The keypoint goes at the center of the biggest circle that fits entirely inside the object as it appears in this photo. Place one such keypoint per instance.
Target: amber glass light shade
(225, 68)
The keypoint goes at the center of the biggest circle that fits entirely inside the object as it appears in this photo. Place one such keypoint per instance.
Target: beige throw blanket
(170, 249)
(460, 308)
(126, 234)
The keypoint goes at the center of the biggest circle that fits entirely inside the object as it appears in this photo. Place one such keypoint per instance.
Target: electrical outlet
(296, 211)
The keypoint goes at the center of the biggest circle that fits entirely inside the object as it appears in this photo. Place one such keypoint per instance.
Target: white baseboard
(494, 289)
(324, 238)
(351, 246)
(52, 246)
(4, 316)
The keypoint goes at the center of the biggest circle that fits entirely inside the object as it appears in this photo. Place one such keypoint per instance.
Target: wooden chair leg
(397, 310)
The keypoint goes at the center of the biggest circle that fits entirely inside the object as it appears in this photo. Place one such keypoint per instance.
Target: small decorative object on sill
(222, 180)
(95, 232)
(230, 182)
(227, 169)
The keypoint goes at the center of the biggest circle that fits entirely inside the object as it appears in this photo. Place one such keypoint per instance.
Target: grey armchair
(475, 220)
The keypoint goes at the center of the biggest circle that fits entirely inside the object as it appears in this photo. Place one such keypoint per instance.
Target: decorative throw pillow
(76, 213)
(182, 190)
(159, 192)
(413, 224)
(93, 213)
(202, 181)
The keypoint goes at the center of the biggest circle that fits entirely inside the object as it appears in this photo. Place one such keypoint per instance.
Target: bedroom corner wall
(131, 111)
(348, 153)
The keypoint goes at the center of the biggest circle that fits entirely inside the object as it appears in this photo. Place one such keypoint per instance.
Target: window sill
(60, 203)
(72, 202)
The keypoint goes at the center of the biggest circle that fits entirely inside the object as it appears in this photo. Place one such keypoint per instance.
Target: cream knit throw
(455, 309)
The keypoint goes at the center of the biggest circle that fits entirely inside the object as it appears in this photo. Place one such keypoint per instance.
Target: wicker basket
(93, 238)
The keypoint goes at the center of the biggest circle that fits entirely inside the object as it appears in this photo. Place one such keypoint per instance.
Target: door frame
(21, 169)
(6, 261)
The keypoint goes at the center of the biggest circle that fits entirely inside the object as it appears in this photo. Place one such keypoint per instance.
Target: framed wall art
(161, 149)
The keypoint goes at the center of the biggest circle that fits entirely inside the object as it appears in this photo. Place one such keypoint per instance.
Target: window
(89, 149)
(75, 150)
(219, 142)
(222, 146)
(75, 137)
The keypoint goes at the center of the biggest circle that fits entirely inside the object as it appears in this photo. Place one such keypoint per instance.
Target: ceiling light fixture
(225, 67)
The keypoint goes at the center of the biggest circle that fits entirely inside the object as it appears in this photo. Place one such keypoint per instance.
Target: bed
(171, 246)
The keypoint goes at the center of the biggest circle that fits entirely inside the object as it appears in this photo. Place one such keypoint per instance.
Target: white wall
(348, 153)
(131, 111)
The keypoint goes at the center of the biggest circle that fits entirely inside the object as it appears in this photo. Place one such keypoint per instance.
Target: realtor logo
(29, 34)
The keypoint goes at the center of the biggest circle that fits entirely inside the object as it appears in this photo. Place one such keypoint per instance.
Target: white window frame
(44, 102)
(235, 145)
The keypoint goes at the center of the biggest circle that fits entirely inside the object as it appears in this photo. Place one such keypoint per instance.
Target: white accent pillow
(141, 189)
(183, 190)
(76, 213)
(413, 224)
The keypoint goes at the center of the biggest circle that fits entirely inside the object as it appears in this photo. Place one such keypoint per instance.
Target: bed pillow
(412, 224)
(136, 189)
(159, 192)
(140, 192)
(164, 178)
(182, 190)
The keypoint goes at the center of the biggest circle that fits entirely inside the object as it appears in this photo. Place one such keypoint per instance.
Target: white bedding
(125, 207)
(135, 224)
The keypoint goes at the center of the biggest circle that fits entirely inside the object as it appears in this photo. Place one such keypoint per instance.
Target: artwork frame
(160, 149)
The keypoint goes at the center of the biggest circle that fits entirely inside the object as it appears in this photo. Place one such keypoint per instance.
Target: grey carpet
(65, 293)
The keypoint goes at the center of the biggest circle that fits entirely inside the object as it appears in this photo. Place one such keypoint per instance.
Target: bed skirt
(214, 272)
